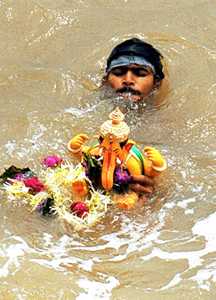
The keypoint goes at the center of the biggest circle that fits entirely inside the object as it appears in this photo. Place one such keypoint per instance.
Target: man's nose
(128, 78)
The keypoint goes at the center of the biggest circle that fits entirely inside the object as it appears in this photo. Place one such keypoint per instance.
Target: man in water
(134, 70)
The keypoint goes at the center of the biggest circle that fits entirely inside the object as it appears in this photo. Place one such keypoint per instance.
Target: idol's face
(132, 82)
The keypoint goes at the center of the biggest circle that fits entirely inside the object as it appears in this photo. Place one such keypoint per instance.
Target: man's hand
(142, 184)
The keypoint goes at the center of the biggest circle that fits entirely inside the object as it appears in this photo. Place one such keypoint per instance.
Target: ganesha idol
(115, 161)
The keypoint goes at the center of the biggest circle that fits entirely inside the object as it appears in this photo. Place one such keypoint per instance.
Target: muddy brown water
(52, 55)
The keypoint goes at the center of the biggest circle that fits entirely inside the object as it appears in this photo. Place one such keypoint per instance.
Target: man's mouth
(128, 90)
(128, 93)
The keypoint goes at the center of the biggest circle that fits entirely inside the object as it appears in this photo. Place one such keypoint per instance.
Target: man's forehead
(134, 66)
(128, 60)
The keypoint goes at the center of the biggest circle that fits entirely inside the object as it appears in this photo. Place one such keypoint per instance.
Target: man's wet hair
(137, 47)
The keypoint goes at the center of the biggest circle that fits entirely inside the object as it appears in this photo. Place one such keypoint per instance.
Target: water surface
(52, 55)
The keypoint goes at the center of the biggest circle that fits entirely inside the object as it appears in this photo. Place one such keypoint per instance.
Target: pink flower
(19, 176)
(80, 209)
(52, 161)
(34, 184)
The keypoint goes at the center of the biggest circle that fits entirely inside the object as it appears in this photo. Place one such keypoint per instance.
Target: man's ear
(104, 79)
(157, 82)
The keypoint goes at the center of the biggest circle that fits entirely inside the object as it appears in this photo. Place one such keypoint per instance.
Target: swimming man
(134, 69)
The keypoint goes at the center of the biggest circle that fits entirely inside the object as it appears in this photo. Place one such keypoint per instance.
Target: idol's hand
(76, 143)
(157, 159)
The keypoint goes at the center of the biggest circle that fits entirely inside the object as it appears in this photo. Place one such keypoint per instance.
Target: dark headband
(137, 48)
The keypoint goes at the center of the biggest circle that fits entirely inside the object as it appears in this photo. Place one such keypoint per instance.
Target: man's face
(132, 82)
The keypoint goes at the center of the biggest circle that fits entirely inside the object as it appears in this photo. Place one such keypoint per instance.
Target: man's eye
(118, 71)
(140, 72)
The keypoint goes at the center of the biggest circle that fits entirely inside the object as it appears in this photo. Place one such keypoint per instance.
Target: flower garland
(61, 189)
